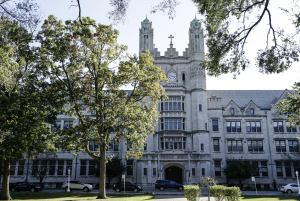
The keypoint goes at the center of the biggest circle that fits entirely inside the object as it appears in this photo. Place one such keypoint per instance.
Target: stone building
(198, 129)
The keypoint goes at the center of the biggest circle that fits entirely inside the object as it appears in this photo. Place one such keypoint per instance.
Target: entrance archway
(174, 173)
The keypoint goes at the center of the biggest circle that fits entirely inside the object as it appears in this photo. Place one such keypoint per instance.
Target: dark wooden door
(174, 173)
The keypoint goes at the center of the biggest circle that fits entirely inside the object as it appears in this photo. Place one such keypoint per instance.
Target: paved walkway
(178, 198)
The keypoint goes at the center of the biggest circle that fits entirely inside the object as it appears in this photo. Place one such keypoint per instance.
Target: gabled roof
(262, 98)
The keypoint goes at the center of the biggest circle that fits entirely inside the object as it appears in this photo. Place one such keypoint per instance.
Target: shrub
(229, 193)
(218, 192)
(191, 192)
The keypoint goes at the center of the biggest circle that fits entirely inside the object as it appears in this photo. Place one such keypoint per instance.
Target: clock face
(172, 76)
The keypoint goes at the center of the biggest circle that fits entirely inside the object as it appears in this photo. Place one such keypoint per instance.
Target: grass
(270, 197)
(63, 196)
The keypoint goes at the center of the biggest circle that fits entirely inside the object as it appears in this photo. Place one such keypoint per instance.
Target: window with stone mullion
(253, 126)
(233, 126)
(172, 124)
(171, 143)
(173, 103)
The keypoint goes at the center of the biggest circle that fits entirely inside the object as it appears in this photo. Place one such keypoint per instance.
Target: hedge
(229, 193)
(191, 192)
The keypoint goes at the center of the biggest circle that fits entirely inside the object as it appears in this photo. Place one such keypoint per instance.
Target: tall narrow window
(83, 167)
(218, 168)
(202, 147)
(264, 168)
(200, 107)
(232, 111)
(154, 172)
(21, 167)
(288, 169)
(279, 168)
(183, 76)
(216, 145)
(193, 171)
(12, 167)
(252, 111)
(203, 171)
(91, 167)
(215, 126)
(130, 167)
(145, 171)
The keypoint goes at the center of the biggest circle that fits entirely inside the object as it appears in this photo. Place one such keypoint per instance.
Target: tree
(208, 182)
(25, 12)
(80, 59)
(114, 168)
(25, 102)
(291, 106)
(43, 161)
(240, 170)
(120, 8)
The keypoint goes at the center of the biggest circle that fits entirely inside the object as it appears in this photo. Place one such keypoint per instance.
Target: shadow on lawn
(62, 195)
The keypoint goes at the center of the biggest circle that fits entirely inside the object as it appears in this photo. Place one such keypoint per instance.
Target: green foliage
(191, 192)
(25, 102)
(226, 193)
(226, 45)
(114, 168)
(218, 192)
(291, 105)
(82, 66)
(239, 169)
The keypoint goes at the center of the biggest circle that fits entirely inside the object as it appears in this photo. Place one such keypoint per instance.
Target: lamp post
(69, 180)
(298, 182)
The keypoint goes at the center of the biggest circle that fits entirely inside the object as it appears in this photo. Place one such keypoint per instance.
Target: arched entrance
(174, 173)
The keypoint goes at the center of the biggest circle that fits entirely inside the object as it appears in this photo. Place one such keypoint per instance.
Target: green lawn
(41, 196)
(270, 197)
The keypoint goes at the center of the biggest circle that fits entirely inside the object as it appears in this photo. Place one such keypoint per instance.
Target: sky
(250, 79)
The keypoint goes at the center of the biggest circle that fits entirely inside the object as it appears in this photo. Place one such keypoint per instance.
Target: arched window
(183, 76)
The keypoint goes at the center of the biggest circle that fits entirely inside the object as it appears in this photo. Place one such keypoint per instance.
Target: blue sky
(178, 27)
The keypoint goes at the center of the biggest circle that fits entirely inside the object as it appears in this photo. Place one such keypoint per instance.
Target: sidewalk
(179, 198)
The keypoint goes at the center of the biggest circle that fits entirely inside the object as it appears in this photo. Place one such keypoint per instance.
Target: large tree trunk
(102, 173)
(5, 195)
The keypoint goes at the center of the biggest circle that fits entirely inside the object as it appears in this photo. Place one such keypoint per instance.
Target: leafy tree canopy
(25, 103)
(82, 61)
(240, 170)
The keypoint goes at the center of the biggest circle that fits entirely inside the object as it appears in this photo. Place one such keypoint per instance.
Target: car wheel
(289, 191)
(13, 190)
(180, 188)
(32, 190)
(161, 188)
(86, 189)
(135, 190)
(117, 190)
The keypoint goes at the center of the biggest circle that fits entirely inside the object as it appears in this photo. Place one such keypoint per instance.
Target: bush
(229, 193)
(191, 192)
(218, 192)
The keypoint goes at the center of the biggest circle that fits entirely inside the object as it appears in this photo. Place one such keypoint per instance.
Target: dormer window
(252, 111)
(232, 111)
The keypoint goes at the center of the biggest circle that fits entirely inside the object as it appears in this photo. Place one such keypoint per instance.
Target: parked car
(289, 188)
(119, 186)
(77, 185)
(163, 184)
(24, 186)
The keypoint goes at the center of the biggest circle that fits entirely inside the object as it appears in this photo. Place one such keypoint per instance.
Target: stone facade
(198, 129)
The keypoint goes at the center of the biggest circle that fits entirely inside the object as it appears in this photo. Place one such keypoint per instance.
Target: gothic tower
(146, 36)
